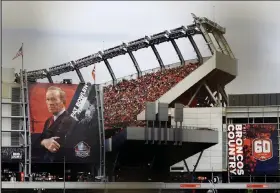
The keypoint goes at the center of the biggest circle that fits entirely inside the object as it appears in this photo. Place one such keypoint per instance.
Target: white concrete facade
(7, 85)
(210, 117)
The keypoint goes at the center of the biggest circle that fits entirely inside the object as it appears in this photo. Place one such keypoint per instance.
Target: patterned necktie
(51, 121)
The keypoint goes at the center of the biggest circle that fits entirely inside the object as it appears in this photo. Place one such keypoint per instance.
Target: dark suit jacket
(62, 127)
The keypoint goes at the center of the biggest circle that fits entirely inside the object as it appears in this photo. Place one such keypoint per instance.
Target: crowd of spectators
(124, 101)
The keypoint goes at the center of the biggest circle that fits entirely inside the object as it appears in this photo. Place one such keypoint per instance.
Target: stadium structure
(144, 139)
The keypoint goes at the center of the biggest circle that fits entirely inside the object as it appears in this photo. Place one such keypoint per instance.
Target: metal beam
(158, 57)
(210, 93)
(12, 103)
(195, 166)
(28, 129)
(49, 77)
(1, 104)
(197, 161)
(78, 72)
(115, 164)
(205, 34)
(194, 94)
(217, 95)
(207, 39)
(14, 117)
(23, 86)
(187, 167)
(80, 75)
(203, 28)
(139, 72)
(14, 146)
(223, 93)
(223, 39)
(219, 42)
(10, 131)
(110, 71)
(99, 104)
(181, 58)
(198, 54)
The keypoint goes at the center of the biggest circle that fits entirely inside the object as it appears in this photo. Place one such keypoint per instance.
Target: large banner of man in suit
(64, 123)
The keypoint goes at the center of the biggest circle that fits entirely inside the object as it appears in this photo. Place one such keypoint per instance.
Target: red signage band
(189, 185)
(257, 185)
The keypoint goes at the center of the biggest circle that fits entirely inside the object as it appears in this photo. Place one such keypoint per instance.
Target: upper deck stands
(124, 101)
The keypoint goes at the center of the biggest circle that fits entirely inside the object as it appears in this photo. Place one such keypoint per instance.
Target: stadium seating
(124, 101)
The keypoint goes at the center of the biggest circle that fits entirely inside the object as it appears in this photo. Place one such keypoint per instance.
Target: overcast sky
(57, 32)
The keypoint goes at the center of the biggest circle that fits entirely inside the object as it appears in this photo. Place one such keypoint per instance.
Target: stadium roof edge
(123, 49)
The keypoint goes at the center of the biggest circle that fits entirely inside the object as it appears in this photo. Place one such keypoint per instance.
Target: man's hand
(50, 144)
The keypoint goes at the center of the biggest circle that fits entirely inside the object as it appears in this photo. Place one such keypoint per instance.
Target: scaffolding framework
(25, 131)
(99, 103)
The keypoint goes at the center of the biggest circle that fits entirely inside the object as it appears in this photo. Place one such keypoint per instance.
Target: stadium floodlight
(148, 39)
(124, 46)
(191, 32)
(138, 44)
(178, 32)
(37, 74)
(60, 69)
(212, 24)
(115, 51)
(209, 23)
(88, 60)
(192, 26)
(160, 37)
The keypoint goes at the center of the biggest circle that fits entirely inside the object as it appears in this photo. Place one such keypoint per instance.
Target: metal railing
(196, 128)
(134, 76)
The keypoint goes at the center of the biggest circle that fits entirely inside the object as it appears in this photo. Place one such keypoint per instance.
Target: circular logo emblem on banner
(262, 149)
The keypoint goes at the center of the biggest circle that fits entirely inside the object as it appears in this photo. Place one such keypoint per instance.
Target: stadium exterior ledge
(223, 67)
(135, 185)
(188, 135)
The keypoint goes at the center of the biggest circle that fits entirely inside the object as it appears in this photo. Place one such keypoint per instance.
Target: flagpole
(22, 58)
(94, 73)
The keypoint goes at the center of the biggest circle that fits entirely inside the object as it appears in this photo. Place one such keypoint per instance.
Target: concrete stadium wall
(212, 158)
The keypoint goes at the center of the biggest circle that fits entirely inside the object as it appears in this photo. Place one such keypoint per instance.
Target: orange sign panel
(257, 186)
(189, 185)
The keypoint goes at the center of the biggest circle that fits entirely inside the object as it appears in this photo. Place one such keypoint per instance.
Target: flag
(19, 53)
(93, 73)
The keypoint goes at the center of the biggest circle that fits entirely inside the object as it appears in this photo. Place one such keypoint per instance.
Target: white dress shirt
(60, 113)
